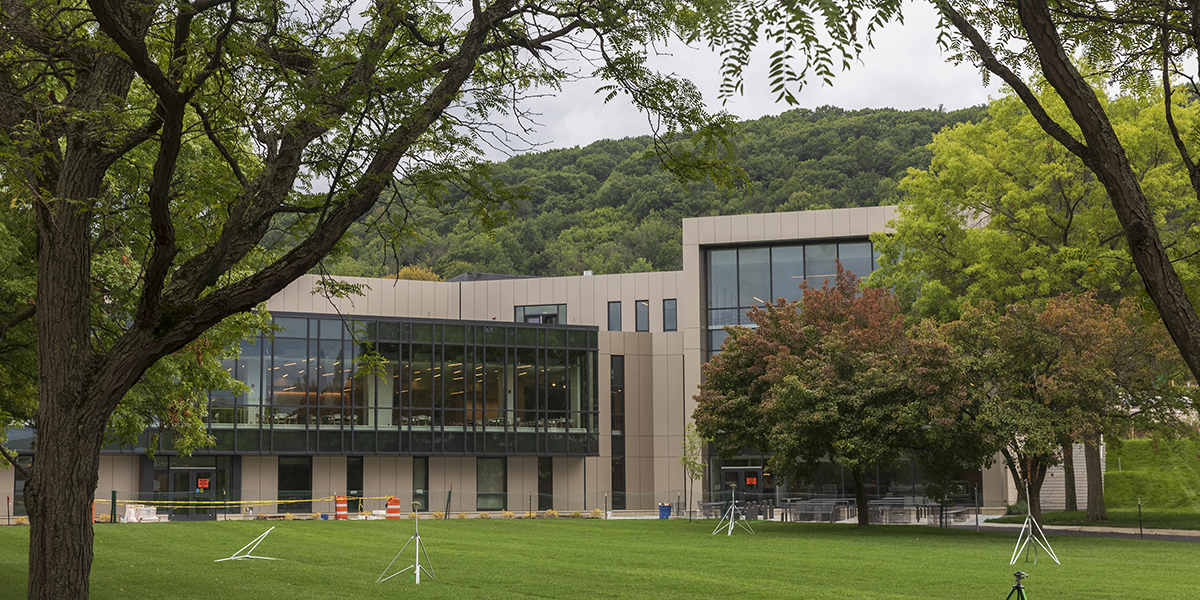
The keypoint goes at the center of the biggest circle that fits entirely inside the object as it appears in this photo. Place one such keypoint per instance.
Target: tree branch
(992, 64)
(13, 461)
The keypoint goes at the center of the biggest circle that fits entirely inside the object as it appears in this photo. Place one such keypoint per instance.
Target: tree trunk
(1037, 477)
(1011, 465)
(70, 422)
(1095, 481)
(1105, 156)
(1069, 475)
(860, 498)
(58, 496)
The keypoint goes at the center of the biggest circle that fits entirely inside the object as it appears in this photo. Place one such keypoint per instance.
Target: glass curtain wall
(742, 278)
(434, 388)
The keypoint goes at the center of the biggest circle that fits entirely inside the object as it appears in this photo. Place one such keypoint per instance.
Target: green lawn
(570, 558)
(1152, 518)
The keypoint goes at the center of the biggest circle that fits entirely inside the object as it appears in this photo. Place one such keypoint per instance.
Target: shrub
(439, 514)
(288, 516)
(22, 521)
(483, 515)
(100, 518)
(550, 513)
(315, 516)
(508, 515)
(530, 515)
(461, 515)
(577, 515)
(413, 515)
(597, 513)
(1020, 508)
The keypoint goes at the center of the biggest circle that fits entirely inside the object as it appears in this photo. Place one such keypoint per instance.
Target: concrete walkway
(1174, 535)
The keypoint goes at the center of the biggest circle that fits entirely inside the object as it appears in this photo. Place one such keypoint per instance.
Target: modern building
(504, 393)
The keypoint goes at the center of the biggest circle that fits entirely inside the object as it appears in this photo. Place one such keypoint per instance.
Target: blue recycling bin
(664, 511)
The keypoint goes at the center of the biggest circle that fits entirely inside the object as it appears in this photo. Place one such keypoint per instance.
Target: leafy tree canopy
(1006, 214)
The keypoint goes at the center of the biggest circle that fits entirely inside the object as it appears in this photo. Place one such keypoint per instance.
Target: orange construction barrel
(340, 508)
(393, 508)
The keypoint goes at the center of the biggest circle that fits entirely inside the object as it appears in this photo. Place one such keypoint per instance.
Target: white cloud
(905, 70)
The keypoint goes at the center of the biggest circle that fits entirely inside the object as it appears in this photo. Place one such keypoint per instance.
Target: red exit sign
(751, 480)
(202, 483)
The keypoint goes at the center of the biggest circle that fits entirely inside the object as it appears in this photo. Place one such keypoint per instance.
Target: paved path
(1173, 535)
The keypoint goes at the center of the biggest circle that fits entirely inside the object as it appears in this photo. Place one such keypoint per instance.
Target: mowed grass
(570, 558)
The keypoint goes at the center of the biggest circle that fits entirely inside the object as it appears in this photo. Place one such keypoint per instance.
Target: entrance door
(747, 481)
(192, 494)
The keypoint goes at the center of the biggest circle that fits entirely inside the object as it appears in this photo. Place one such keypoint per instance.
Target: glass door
(192, 494)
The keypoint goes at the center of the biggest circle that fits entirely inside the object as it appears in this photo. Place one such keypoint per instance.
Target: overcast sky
(906, 70)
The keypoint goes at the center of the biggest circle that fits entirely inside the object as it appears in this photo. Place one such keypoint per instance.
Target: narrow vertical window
(421, 482)
(617, 403)
(491, 483)
(642, 312)
(669, 319)
(614, 316)
(354, 478)
(545, 483)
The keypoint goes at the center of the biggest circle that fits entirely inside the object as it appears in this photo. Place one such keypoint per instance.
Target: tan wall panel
(8, 481)
(505, 312)
(571, 471)
(260, 481)
(443, 309)
(429, 305)
(723, 231)
(859, 218)
(120, 473)
(739, 228)
(756, 227)
(522, 481)
(458, 471)
(385, 476)
(575, 296)
(561, 284)
(328, 479)
(372, 301)
(772, 227)
(523, 295)
(806, 225)
(996, 483)
(398, 292)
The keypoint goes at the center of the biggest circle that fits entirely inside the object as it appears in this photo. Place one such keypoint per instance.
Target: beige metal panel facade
(570, 472)
(456, 471)
(260, 482)
(523, 484)
(385, 476)
(8, 483)
(739, 228)
(328, 479)
(120, 473)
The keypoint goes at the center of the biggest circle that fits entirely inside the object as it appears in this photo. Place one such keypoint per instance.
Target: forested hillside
(609, 208)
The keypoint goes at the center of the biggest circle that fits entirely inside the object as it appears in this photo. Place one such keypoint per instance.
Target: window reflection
(440, 388)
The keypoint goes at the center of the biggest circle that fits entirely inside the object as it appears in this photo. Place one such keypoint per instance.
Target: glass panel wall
(432, 388)
(742, 278)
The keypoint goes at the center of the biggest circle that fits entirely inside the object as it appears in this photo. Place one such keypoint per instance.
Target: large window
(642, 312)
(669, 315)
(491, 484)
(546, 313)
(439, 388)
(614, 316)
(295, 484)
(742, 278)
